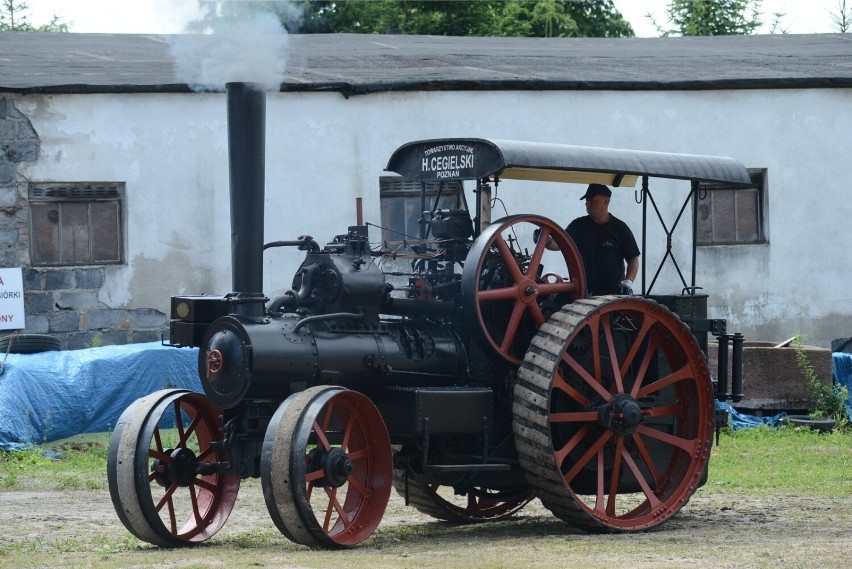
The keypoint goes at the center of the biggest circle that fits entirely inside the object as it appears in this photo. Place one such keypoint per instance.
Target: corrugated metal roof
(353, 63)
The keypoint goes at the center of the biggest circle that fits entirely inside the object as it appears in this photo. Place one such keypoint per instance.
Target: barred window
(401, 207)
(729, 215)
(75, 223)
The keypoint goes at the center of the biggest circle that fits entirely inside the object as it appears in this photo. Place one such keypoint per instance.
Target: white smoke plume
(234, 41)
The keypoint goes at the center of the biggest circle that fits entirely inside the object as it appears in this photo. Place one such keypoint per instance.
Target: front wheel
(162, 469)
(326, 467)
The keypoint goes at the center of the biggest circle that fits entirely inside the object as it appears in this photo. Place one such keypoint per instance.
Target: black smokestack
(247, 158)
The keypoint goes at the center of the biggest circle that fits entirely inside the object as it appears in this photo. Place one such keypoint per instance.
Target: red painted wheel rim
(161, 469)
(326, 467)
(190, 511)
(589, 454)
(350, 513)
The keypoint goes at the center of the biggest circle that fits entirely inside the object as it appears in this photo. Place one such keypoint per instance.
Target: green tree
(524, 18)
(842, 19)
(712, 17)
(14, 17)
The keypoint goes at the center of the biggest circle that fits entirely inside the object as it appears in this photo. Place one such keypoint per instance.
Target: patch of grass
(789, 460)
(71, 464)
(252, 539)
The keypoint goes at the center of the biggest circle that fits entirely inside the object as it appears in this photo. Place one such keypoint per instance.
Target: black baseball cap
(597, 190)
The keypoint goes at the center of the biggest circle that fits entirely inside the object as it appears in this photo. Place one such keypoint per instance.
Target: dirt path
(79, 528)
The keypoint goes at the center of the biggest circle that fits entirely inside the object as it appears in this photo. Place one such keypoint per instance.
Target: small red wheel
(622, 439)
(477, 504)
(505, 289)
(162, 469)
(326, 467)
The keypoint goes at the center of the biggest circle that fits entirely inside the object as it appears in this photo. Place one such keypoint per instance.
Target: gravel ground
(79, 528)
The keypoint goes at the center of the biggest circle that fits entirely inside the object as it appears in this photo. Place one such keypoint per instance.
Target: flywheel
(512, 283)
(613, 414)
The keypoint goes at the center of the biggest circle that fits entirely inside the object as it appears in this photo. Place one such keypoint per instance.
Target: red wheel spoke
(202, 483)
(639, 378)
(575, 417)
(157, 440)
(599, 495)
(572, 443)
(535, 260)
(359, 454)
(314, 475)
(616, 474)
(683, 373)
(191, 429)
(178, 420)
(642, 448)
(160, 455)
(537, 314)
(193, 498)
(584, 375)
(356, 484)
(584, 460)
(653, 500)
(637, 343)
(675, 410)
(206, 453)
(323, 441)
(508, 259)
(505, 293)
(560, 384)
(172, 516)
(347, 431)
(512, 327)
(167, 497)
(334, 506)
(594, 325)
(688, 445)
(329, 414)
(613, 357)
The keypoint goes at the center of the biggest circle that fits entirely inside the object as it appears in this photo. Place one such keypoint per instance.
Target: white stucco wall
(323, 151)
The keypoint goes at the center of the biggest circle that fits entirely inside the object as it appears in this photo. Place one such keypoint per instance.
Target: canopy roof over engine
(477, 158)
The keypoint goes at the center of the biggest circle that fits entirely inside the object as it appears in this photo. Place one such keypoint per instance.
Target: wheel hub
(181, 470)
(623, 414)
(335, 465)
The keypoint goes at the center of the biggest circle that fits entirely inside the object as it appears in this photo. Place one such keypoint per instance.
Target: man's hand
(626, 286)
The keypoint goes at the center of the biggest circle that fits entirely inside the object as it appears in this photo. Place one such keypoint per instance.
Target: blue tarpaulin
(54, 395)
(841, 365)
(739, 420)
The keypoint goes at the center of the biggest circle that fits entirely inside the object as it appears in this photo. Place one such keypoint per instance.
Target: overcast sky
(170, 16)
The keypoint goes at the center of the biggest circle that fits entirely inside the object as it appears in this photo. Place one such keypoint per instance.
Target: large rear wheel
(613, 414)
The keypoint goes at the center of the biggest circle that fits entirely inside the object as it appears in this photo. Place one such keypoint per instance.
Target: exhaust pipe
(247, 161)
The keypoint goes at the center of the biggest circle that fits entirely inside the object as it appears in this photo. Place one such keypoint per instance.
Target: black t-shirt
(604, 247)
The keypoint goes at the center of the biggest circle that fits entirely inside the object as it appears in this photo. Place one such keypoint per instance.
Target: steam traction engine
(486, 380)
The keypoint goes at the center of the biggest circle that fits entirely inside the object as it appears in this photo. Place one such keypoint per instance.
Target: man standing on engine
(605, 244)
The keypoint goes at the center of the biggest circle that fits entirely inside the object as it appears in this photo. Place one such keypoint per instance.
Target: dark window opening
(402, 208)
(729, 215)
(75, 223)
